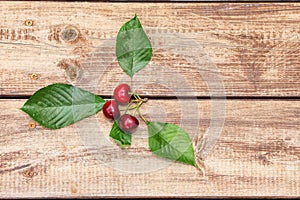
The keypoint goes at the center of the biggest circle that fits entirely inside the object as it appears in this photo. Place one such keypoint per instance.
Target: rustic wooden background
(255, 48)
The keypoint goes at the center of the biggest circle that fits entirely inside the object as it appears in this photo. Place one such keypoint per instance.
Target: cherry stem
(141, 116)
(138, 101)
(128, 107)
(137, 97)
(137, 107)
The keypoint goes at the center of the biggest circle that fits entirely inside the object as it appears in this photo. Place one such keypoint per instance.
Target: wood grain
(257, 154)
(245, 49)
(200, 50)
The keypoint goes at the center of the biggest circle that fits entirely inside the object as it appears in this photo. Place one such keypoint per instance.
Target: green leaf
(170, 141)
(59, 105)
(133, 48)
(119, 136)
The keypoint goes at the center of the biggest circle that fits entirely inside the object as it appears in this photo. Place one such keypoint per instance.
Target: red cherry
(128, 123)
(121, 94)
(111, 110)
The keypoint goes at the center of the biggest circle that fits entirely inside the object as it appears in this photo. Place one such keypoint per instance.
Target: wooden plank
(257, 154)
(245, 49)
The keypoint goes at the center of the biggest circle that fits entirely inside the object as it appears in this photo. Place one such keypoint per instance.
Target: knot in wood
(69, 34)
(72, 68)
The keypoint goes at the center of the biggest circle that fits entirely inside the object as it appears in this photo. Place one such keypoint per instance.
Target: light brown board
(257, 155)
(245, 49)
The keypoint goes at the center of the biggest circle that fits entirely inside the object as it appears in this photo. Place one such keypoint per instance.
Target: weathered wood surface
(252, 47)
(257, 154)
(206, 49)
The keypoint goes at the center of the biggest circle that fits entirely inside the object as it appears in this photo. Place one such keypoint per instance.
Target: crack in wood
(15, 168)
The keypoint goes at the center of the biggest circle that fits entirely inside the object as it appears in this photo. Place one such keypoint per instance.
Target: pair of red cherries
(127, 123)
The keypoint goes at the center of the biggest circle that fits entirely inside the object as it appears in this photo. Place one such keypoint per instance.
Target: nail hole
(73, 189)
(29, 173)
(34, 77)
(32, 124)
(28, 22)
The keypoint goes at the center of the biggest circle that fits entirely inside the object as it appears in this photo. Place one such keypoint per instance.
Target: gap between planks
(245, 98)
